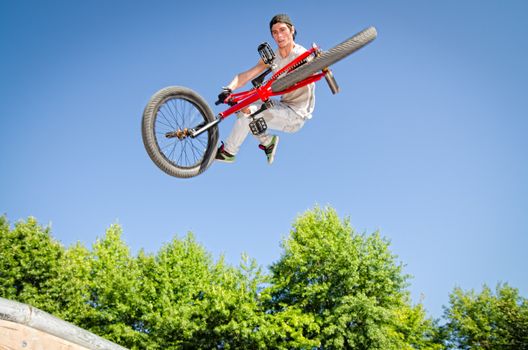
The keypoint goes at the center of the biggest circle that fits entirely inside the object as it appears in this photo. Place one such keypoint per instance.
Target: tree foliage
(29, 262)
(350, 284)
(486, 320)
(332, 288)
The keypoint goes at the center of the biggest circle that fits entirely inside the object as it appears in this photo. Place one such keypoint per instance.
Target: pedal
(258, 126)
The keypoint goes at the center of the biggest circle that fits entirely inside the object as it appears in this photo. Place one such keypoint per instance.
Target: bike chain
(277, 76)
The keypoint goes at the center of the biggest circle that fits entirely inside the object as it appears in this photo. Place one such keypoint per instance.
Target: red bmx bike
(180, 132)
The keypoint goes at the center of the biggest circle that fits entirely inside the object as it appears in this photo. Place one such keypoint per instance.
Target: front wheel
(167, 119)
(326, 59)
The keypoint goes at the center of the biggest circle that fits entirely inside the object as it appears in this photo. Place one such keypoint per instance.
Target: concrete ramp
(23, 327)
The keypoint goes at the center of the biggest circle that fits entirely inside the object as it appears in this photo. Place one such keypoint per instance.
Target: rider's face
(282, 34)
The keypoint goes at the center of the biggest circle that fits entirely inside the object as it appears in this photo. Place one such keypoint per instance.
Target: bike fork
(202, 128)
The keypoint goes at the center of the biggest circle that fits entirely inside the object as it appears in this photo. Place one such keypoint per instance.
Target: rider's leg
(282, 118)
(239, 132)
(279, 117)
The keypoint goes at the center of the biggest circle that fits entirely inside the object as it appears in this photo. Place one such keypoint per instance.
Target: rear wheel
(168, 118)
(326, 59)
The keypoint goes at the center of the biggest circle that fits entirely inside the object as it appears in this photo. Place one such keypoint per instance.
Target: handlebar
(224, 96)
(226, 101)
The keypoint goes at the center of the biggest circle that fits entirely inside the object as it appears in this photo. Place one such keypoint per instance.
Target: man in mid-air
(288, 115)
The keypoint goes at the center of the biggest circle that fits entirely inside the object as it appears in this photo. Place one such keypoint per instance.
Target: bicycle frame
(263, 92)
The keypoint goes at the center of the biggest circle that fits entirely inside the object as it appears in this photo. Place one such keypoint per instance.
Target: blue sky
(426, 142)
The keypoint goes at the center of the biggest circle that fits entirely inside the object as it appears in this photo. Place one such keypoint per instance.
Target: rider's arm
(243, 78)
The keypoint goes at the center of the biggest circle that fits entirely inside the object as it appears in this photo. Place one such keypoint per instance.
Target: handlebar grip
(218, 102)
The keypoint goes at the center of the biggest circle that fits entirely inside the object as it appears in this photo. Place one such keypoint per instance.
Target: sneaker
(223, 156)
(271, 148)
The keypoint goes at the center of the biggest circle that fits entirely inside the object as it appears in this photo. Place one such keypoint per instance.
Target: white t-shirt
(302, 100)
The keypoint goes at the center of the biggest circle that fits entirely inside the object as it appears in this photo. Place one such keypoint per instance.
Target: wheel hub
(180, 134)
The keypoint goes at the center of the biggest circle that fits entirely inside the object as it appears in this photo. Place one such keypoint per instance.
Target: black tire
(326, 59)
(168, 110)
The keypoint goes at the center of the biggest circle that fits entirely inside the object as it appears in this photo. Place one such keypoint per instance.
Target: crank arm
(263, 107)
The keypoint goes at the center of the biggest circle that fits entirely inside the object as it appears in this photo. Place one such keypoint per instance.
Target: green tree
(237, 317)
(29, 263)
(117, 307)
(486, 320)
(200, 304)
(415, 330)
(332, 288)
(178, 276)
(350, 284)
(70, 288)
(228, 307)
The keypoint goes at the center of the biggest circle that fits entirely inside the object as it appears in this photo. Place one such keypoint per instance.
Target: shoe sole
(272, 158)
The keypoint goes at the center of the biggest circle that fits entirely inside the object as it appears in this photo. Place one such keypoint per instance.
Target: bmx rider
(287, 115)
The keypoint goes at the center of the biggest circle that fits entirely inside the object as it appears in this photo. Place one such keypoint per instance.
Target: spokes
(174, 120)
